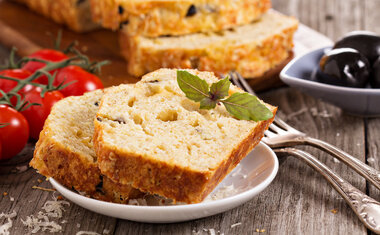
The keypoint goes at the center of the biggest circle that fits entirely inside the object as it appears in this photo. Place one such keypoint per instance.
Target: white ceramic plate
(249, 178)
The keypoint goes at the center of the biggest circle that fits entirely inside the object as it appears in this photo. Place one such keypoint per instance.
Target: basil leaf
(246, 107)
(220, 89)
(208, 103)
(194, 87)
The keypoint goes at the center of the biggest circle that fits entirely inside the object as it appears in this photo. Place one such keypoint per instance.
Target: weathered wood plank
(299, 200)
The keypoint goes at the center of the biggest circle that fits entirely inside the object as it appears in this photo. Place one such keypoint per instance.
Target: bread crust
(175, 182)
(75, 170)
(251, 60)
(52, 159)
(156, 18)
(74, 14)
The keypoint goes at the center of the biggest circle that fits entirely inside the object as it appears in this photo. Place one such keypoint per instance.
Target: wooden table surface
(299, 201)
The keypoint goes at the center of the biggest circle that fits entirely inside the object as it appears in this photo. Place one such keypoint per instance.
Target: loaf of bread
(75, 14)
(65, 150)
(251, 49)
(152, 18)
(174, 17)
(152, 137)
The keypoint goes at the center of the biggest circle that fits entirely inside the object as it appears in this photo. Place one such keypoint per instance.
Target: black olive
(344, 67)
(366, 43)
(191, 11)
(375, 76)
(121, 10)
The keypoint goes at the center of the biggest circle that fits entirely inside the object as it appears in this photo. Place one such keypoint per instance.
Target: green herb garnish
(243, 106)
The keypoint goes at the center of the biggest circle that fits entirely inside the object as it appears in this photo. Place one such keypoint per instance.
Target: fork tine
(277, 129)
(282, 124)
(245, 84)
(235, 81)
(269, 134)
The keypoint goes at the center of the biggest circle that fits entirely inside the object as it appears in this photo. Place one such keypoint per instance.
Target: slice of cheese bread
(65, 150)
(150, 136)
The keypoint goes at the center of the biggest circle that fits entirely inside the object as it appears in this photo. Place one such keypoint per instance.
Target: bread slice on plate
(176, 17)
(151, 136)
(75, 14)
(251, 49)
(65, 151)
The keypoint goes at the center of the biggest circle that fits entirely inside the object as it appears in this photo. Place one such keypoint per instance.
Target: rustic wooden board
(299, 201)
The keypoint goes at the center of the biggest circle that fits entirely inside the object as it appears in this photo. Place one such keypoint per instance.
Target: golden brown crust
(250, 60)
(181, 184)
(73, 13)
(52, 159)
(156, 18)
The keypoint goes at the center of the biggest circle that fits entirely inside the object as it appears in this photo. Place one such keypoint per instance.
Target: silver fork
(280, 135)
(365, 207)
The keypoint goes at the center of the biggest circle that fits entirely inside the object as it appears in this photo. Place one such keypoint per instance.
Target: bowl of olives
(347, 74)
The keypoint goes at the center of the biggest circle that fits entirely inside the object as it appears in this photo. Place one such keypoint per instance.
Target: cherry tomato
(37, 114)
(13, 137)
(45, 54)
(84, 81)
(7, 85)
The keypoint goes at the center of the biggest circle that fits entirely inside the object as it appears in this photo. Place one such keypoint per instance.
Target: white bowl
(358, 101)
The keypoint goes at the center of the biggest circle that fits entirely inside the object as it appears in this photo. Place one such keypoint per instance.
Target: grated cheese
(223, 192)
(4, 228)
(234, 225)
(41, 223)
(87, 233)
(53, 209)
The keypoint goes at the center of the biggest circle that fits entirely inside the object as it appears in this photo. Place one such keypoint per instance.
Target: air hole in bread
(79, 133)
(170, 89)
(161, 147)
(120, 120)
(153, 90)
(189, 105)
(131, 102)
(195, 123)
(137, 119)
(168, 116)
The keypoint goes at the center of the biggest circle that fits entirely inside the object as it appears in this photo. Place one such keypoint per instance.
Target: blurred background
(333, 17)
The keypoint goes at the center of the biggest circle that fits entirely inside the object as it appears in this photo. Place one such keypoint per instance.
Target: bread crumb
(371, 159)
(12, 199)
(5, 194)
(87, 233)
(260, 230)
(336, 160)
(324, 113)
(106, 231)
(78, 225)
(44, 189)
(235, 225)
(39, 180)
(223, 192)
(299, 112)
(334, 211)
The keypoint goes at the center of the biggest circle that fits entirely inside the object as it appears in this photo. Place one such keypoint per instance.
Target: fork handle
(371, 174)
(365, 207)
